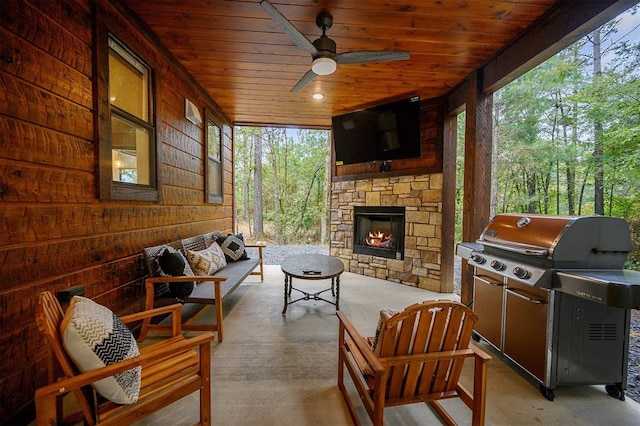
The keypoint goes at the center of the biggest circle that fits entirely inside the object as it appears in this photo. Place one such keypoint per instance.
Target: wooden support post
(448, 200)
(477, 171)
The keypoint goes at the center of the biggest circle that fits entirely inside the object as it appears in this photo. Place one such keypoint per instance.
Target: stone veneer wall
(422, 197)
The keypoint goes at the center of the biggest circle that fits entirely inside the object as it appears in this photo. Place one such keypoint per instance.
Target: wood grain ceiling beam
(567, 22)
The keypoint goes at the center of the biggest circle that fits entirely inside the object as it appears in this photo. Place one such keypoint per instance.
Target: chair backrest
(196, 243)
(427, 327)
(211, 237)
(49, 316)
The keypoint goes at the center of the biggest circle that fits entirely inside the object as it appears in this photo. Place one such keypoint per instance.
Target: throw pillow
(173, 263)
(233, 247)
(207, 261)
(94, 337)
(385, 314)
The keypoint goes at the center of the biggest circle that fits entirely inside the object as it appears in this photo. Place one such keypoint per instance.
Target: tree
(258, 219)
(569, 131)
(243, 173)
(598, 183)
(294, 190)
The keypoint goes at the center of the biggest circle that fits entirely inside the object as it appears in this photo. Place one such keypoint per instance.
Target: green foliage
(547, 124)
(293, 181)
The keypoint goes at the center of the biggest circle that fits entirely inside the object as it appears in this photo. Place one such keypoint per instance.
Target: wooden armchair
(418, 358)
(171, 370)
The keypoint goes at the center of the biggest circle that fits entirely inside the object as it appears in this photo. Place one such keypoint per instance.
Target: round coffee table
(311, 267)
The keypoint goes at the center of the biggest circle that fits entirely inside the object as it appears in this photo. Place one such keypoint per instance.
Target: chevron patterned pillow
(94, 337)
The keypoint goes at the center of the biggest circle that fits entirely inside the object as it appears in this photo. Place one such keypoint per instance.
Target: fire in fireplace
(379, 231)
(379, 239)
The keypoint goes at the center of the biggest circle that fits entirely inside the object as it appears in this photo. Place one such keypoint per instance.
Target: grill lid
(568, 241)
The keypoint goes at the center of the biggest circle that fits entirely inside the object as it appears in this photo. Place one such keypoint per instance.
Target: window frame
(210, 195)
(108, 189)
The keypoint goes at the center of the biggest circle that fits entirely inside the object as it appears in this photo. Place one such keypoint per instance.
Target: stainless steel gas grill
(552, 296)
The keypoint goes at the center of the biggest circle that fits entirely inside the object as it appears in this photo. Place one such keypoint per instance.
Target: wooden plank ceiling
(248, 65)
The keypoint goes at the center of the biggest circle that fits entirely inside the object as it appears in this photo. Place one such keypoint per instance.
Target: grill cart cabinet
(557, 338)
(551, 295)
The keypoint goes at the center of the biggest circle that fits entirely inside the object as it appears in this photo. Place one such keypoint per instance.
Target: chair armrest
(174, 309)
(360, 345)
(427, 357)
(479, 353)
(150, 357)
(259, 247)
(150, 288)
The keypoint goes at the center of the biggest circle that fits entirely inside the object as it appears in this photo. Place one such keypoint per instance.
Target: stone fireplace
(379, 231)
(420, 197)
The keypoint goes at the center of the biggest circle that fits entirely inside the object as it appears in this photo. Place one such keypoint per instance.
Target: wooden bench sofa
(209, 290)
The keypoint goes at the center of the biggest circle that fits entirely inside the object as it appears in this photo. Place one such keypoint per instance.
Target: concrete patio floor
(275, 369)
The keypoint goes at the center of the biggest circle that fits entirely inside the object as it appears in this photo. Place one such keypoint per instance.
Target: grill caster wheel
(615, 392)
(547, 393)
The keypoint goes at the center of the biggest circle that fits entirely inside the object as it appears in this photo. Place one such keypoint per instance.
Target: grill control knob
(521, 273)
(477, 258)
(497, 265)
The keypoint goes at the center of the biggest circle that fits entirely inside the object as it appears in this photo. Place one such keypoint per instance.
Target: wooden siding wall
(54, 231)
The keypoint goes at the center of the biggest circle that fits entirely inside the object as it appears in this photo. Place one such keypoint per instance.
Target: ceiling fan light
(323, 66)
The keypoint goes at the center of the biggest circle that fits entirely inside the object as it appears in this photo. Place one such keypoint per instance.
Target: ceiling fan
(323, 49)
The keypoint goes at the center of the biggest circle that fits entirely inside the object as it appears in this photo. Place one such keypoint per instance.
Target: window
(213, 169)
(127, 132)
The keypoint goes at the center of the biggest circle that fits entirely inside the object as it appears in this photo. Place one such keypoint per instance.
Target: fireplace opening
(379, 231)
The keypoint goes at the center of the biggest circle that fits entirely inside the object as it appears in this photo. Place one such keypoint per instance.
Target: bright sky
(630, 26)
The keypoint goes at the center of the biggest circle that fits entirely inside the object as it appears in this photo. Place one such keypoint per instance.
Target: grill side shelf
(613, 287)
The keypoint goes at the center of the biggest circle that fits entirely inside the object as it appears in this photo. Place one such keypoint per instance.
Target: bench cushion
(235, 272)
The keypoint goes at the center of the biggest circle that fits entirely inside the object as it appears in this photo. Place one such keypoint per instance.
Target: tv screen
(385, 132)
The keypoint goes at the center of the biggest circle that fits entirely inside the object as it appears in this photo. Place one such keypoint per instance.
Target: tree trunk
(303, 213)
(326, 208)
(273, 145)
(531, 192)
(558, 111)
(582, 189)
(495, 143)
(598, 175)
(246, 184)
(245, 202)
(570, 160)
(258, 219)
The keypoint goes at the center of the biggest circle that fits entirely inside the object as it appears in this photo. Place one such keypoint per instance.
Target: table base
(288, 287)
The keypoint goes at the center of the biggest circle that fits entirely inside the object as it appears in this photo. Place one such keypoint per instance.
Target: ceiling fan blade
(306, 79)
(365, 56)
(292, 32)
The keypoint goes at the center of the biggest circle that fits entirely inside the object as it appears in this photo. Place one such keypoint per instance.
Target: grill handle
(488, 280)
(515, 292)
(517, 248)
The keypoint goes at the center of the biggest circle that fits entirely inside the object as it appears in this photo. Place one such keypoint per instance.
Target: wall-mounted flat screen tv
(384, 132)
